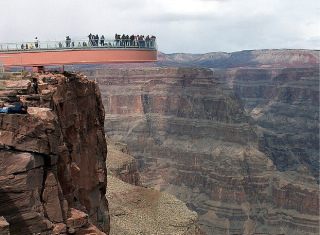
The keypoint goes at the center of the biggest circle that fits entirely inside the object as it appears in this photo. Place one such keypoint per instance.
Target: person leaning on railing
(68, 41)
(102, 41)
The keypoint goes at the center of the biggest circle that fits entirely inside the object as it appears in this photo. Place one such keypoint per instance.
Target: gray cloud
(195, 26)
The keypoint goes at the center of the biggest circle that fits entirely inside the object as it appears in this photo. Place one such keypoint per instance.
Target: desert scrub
(16, 77)
(3, 84)
(5, 76)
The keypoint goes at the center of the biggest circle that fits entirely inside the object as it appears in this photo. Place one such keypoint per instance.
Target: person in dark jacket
(148, 41)
(132, 40)
(90, 39)
(116, 38)
(36, 43)
(102, 41)
(16, 109)
(68, 41)
(96, 40)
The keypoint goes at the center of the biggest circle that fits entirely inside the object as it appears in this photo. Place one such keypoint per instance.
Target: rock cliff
(52, 160)
(192, 138)
(138, 210)
(285, 105)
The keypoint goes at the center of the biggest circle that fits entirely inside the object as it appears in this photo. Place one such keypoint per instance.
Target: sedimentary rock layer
(121, 165)
(192, 138)
(138, 210)
(285, 105)
(53, 174)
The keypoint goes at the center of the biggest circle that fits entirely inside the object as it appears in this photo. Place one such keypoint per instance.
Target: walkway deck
(77, 52)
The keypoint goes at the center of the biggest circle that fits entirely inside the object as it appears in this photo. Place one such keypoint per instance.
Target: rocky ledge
(138, 210)
(53, 159)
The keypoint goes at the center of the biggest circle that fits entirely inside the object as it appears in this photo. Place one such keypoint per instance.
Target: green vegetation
(13, 76)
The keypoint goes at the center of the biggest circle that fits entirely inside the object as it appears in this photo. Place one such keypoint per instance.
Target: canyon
(195, 138)
(285, 105)
(54, 166)
(236, 141)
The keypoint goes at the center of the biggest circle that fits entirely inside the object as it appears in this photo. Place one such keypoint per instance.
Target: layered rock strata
(138, 210)
(192, 138)
(121, 165)
(285, 105)
(52, 171)
(4, 226)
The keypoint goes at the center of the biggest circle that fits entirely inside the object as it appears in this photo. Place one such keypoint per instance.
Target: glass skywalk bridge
(38, 54)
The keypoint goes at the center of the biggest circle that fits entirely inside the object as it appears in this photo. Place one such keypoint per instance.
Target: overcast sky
(190, 26)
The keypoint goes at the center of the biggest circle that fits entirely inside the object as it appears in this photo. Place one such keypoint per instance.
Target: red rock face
(192, 138)
(53, 159)
(285, 103)
(121, 165)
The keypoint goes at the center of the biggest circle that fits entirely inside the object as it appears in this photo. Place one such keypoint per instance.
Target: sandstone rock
(136, 210)
(52, 199)
(121, 164)
(53, 158)
(77, 219)
(285, 104)
(4, 226)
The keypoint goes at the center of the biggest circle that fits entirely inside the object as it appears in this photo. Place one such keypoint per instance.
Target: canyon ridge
(238, 145)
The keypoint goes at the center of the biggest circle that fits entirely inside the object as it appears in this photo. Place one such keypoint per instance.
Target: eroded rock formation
(121, 165)
(285, 105)
(138, 210)
(52, 160)
(192, 138)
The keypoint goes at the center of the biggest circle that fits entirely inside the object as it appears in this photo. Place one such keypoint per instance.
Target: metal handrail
(78, 45)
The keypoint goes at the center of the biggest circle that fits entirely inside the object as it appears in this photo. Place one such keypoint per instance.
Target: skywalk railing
(78, 45)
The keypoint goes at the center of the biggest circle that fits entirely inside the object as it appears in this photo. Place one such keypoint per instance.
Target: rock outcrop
(285, 105)
(138, 210)
(121, 164)
(52, 160)
(4, 226)
(192, 138)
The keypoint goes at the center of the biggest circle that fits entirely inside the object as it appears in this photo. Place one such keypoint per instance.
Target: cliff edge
(53, 159)
(138, 210)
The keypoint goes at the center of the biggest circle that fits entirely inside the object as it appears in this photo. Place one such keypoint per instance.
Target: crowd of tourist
(134, 40)
(123, 40)
(96, 41)
(31, 46)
